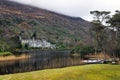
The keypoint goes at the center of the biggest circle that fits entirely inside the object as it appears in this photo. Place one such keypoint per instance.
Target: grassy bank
(85, 72)
(5, 53)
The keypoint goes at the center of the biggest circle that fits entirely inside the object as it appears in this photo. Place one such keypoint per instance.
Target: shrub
(83, 50)
(5, 53)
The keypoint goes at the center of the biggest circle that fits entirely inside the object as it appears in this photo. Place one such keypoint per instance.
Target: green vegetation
(85, 72)
(3, 46)
(5, 53)
(83, 50)
(60, 46)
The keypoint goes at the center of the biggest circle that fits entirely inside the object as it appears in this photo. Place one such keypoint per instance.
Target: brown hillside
(15, 17)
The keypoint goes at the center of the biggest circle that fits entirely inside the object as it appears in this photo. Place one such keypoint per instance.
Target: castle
(34, 43)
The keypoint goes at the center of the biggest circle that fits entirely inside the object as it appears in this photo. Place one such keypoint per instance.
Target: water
(39, 60)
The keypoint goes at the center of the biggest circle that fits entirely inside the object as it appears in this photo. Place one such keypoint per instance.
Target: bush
(5, 53)
(87, 49)
(60, 46)
(83, 50)
(3, 46)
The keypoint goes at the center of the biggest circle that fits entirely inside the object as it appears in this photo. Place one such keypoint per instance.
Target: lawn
(84, 72)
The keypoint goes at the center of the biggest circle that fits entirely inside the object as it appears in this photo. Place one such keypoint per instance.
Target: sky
(75, 8)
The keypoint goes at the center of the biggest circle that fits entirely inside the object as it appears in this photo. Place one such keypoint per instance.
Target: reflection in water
(39, 60)
(13, 57)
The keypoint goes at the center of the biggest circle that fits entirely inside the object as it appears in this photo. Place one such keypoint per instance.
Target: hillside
(85, 72)
(54, 27)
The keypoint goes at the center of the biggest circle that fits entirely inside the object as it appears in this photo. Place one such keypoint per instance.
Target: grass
(85, 72)
(5, 53)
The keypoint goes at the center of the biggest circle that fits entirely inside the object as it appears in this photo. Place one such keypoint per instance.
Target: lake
(38, 60)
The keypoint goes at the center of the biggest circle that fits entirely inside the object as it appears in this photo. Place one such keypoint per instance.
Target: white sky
(76, 8)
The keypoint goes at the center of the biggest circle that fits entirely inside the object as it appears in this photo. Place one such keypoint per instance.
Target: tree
(98, 30)
(115, 36)
(100, 17)
(3, 46)
(34, 35)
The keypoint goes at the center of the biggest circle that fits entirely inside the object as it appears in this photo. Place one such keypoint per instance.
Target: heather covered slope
(54, 27)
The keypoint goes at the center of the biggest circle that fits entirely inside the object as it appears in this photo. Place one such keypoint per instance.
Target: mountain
(54, 27)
